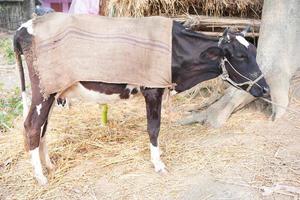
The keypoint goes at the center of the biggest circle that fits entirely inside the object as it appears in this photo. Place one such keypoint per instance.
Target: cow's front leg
(34, 123)
(153, 98)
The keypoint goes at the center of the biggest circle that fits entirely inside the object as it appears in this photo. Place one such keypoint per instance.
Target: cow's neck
(187, 67)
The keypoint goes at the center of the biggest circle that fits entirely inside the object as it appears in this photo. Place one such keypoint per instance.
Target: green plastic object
(104, 114)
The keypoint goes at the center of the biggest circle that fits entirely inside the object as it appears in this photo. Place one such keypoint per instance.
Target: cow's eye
(241, 57)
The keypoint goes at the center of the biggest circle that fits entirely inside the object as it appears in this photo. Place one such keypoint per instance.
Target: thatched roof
(137, 8)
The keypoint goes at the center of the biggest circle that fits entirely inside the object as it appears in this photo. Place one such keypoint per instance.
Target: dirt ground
(250, 157)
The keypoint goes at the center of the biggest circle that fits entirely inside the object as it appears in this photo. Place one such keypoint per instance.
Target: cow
(196, 57)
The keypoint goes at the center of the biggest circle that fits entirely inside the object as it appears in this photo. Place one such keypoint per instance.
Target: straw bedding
(94, 162)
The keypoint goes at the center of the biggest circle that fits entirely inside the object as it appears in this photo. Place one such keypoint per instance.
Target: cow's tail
(18, 53)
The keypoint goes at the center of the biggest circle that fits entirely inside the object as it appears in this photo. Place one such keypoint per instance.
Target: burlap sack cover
(72, 48)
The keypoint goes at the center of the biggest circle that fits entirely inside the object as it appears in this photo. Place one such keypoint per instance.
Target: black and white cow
(195, 58)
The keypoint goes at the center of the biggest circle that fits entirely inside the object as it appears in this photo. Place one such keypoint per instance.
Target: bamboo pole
(213, 26)
(220, 34)
(219, 20)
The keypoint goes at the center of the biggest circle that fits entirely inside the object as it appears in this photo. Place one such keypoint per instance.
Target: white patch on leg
(37, 166)
(38, 109)
(28, 26)
(155, 159)
(68, 103)
(25, 105)
(242, 40)
(44, 155)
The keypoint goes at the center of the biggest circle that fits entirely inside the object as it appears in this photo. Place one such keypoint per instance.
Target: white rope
(281, 106)
(225, 76)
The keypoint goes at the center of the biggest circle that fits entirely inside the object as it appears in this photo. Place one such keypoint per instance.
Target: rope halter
(225, 77)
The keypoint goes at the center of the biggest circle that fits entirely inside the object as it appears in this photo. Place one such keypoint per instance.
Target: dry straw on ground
(86, 155)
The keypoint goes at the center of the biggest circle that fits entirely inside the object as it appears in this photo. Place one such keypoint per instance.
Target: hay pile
(138, 8)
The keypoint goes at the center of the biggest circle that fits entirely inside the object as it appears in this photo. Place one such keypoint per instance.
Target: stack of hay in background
(171, 8)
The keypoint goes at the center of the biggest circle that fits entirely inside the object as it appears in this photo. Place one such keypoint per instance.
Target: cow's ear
(212, 53)
(252, 49)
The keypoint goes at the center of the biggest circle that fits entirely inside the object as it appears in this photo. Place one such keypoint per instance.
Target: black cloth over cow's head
(239, 60)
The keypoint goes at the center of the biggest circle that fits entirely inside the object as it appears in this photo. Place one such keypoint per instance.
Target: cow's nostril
(266, 91)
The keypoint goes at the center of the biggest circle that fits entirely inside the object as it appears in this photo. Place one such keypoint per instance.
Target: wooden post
(103, 7)
(29, 6)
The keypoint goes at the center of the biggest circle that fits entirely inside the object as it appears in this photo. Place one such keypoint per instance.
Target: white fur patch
(77, 91)
(228, 37)
(254, 75)
(173, 92)
(28, 26)
(38, 109)
(42, 128)
(155, 159)
(131, 87)
(37, 166)
(25, 105)
(242, 40)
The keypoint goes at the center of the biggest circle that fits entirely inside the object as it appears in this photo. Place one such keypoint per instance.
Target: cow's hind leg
(153, 98)
(34, 124)
(44, 155)
(45, 158)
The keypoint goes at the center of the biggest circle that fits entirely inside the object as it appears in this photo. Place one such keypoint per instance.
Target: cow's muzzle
(266, 91)
(248, 85)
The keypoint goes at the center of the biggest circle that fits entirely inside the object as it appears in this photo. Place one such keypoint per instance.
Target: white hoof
(41, 179)
(37, 166)
(159, 167)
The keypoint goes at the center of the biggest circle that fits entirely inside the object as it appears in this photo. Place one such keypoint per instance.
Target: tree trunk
(278, 56)
(29, 7)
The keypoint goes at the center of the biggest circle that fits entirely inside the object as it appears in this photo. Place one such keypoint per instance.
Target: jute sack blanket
(72, 48)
